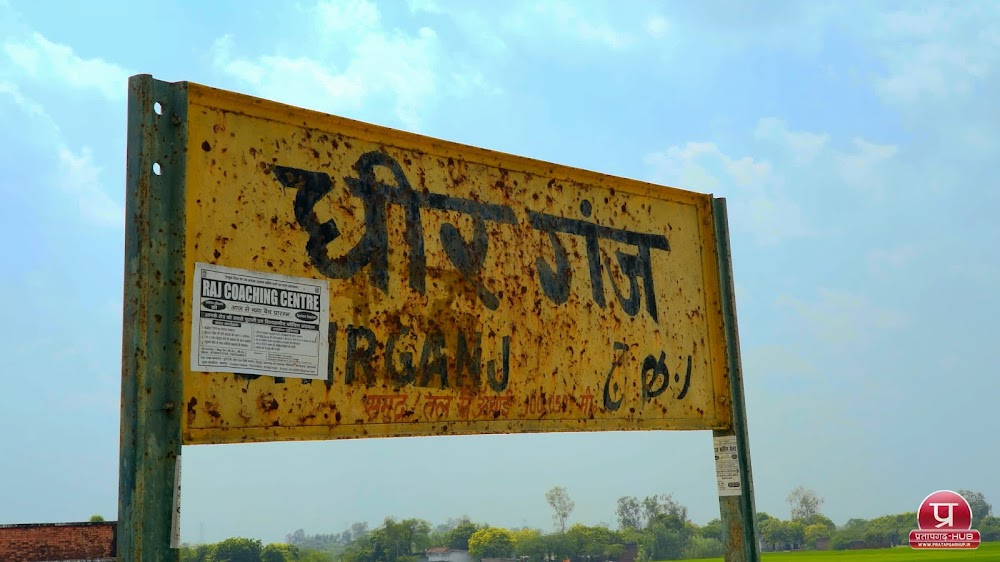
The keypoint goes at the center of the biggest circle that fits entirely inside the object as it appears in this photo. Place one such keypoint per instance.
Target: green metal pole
(739, 523)
(151, 323)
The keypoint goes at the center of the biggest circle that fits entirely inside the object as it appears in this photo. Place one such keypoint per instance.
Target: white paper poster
(259, 323)
(727, 466)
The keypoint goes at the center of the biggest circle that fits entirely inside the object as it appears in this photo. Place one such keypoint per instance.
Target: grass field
(987, 552)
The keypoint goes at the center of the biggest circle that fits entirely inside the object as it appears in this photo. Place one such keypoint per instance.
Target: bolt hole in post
(157, 108)
(156, 168)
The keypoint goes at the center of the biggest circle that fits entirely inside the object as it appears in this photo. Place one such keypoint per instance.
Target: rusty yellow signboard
(293, 275)
(469, 291)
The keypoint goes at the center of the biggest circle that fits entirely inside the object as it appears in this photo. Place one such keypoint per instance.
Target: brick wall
(57, 541)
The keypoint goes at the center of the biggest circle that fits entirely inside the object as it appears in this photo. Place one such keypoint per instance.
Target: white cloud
(785, 169)
(292, 80)
(570, 21)
(679, 166)
(82, 180)
(886, 262)
(425, 6)
(479, 27)
(861, 168)
(76, 174)
(931, 70)
(42, 59)
(732, 29)
(805, 146)
(778, 362)
(924, 23)
(370, 65)
(657, 26)
(25, 104)
(936, 51)
(753, 189)
(840, 317)
(746, 171)
(559, 16)
(353, 17)
(774, 218)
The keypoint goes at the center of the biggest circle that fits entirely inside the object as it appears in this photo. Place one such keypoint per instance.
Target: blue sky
(854, 142)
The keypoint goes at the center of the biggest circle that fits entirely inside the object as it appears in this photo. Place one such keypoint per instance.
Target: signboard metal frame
(152, 309)
(154, 337)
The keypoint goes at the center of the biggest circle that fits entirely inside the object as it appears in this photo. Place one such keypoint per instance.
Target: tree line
(655, 527)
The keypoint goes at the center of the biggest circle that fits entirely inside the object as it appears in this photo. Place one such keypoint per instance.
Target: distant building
(822, 544)
(444, 554)
(59, 542)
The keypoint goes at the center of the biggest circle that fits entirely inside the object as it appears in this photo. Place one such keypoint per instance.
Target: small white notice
(259, 323)
(727, 466)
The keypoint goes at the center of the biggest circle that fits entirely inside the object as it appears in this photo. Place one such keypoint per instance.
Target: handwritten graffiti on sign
(470, 291)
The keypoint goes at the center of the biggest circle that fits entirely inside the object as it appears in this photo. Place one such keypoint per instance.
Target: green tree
(562, 506)
(770, 532)
(458, 538)
(629, 513)
(363, 549)
(330, 543)
(851, 531)
(280, 553)
(804, 503)
(795, 533)
(614, 552)
(491, 542)
(528, 542)
(662, 504)
(200, 553)
(906, 520)
(762, 516)
(759, 518)
(815, 532)
(238, 549)
(819, 519)
(782, 534)
(841, 540)
(856, 524)
(689, 531)
(314, 556)
(667, 541)
(704, 547)
(96, 518)
(296, 538)
(441, 533)
(558, 545)
(875, 536)
(358, 529)
(712, 530)
(399, 539)
(888, 529)
(593, 542)
(981, 509)
(989, 527)
(394, 541)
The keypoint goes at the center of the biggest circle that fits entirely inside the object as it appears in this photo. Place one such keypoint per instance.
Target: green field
(987, 552)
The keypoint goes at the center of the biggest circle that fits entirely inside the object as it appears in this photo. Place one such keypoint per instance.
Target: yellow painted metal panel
(470, 291)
